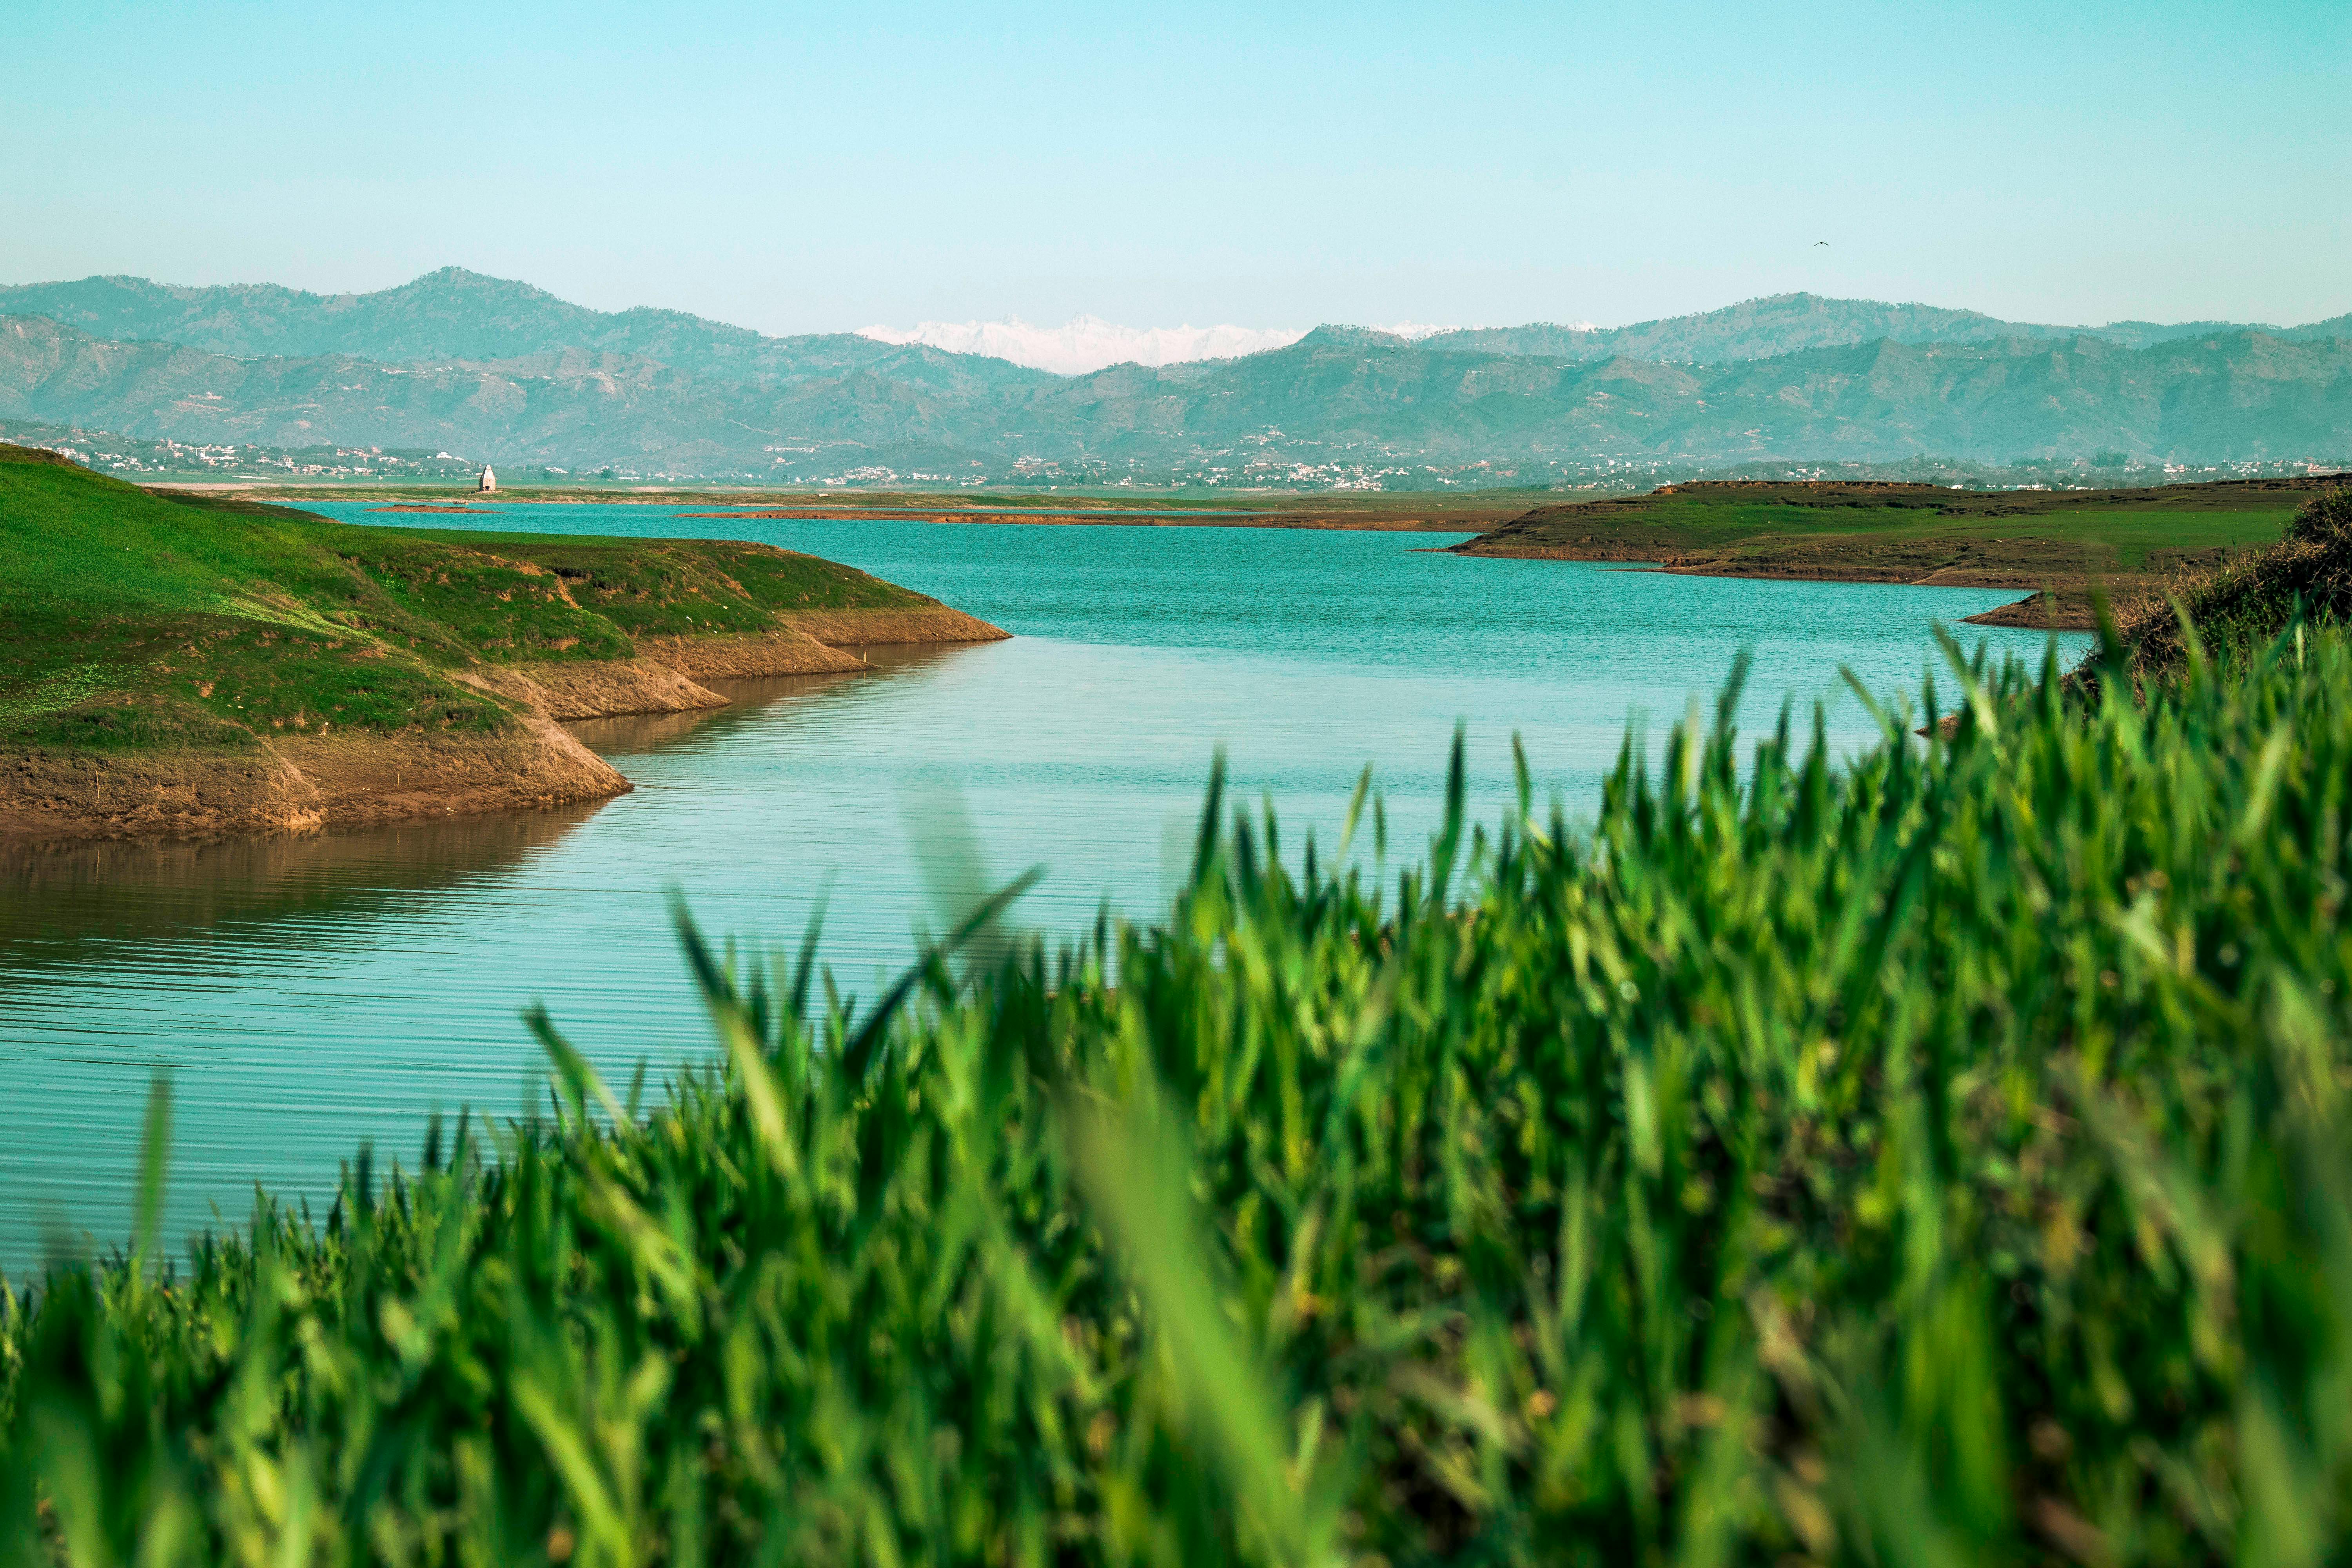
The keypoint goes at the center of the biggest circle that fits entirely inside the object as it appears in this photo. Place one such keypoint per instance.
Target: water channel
(308, 993)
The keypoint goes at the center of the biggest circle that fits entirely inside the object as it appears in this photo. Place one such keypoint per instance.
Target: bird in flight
(1820, 244)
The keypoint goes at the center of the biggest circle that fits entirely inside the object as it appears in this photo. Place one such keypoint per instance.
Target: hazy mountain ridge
(453, 315)
(1790, 323)
(1338, 392)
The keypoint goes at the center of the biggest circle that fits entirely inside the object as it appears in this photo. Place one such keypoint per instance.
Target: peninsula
(187, 665)
(2057, 545)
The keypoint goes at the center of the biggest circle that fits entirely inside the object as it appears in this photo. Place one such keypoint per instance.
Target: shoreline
(1436, 511)
(1330, 524)
(2061, 550)
(300, 783)
(2051, 603)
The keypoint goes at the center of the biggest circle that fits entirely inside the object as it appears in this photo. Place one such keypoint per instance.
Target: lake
(308, 993)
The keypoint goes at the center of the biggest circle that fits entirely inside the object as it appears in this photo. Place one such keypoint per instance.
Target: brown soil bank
(303, 782)
(182, 666)
(295, 783)
(664, 679)
(2070, 544)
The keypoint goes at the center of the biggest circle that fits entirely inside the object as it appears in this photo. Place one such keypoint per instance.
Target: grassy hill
(2065, 540)
(133, 619)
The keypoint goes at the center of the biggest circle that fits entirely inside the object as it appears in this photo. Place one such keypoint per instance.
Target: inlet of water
(307, 995)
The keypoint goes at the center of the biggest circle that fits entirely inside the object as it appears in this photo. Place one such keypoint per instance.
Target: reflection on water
(287, 984)
(634, 735)
(59, 900)
(310, 994)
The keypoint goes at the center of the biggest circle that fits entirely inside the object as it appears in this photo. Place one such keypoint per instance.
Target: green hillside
(134, 618)
(1907, 531)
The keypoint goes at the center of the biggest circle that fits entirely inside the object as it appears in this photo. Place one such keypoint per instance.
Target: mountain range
(500, 370)
(1086, 342)
(454, 314)
(1788, 323)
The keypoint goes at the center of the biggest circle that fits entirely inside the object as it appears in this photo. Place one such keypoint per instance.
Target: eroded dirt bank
(911, 623)
(297, 784)
(303, 782)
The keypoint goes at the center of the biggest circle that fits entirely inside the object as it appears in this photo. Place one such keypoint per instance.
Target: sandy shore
(300, 783)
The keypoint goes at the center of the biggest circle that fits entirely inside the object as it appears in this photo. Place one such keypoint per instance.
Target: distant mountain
(1541, 339)
(454, 314)
(1086, 342)
(2207, 399)
(565, 406)
(1337, 394)
(1790, 323)
(2321, 332)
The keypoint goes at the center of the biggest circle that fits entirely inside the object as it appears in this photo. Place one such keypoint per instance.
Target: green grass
(134, 620)
(2113, 530)
(2240, 606)
(1940, 1157)
(2126, 534)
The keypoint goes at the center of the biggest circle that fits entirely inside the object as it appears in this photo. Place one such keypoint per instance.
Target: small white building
(488, 482)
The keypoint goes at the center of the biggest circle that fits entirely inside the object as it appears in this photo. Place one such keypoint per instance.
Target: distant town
(1229, 469)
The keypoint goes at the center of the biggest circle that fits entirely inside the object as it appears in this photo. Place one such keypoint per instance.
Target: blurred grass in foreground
(1943, 1158)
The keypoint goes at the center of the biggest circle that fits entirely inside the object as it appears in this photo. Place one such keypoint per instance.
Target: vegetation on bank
(1941, 1157)
(131, 619)
(1912, 532)
(2239, 605)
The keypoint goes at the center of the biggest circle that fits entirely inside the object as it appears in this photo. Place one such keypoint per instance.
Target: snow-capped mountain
(1413, 332)
(1088, 342)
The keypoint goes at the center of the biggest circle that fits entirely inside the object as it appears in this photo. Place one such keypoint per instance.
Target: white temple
(488, 482)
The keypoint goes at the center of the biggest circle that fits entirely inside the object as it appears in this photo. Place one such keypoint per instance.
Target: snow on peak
(1413, 331)
(1088, 343)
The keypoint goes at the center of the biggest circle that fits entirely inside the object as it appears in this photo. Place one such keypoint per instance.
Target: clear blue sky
(799, 168)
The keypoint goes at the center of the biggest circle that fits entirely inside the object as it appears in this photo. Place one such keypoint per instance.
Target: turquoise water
(307, 995)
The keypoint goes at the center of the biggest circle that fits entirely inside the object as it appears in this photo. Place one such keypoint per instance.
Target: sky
(822, 168)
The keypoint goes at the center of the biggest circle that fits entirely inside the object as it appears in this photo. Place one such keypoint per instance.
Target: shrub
(2244, 604)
